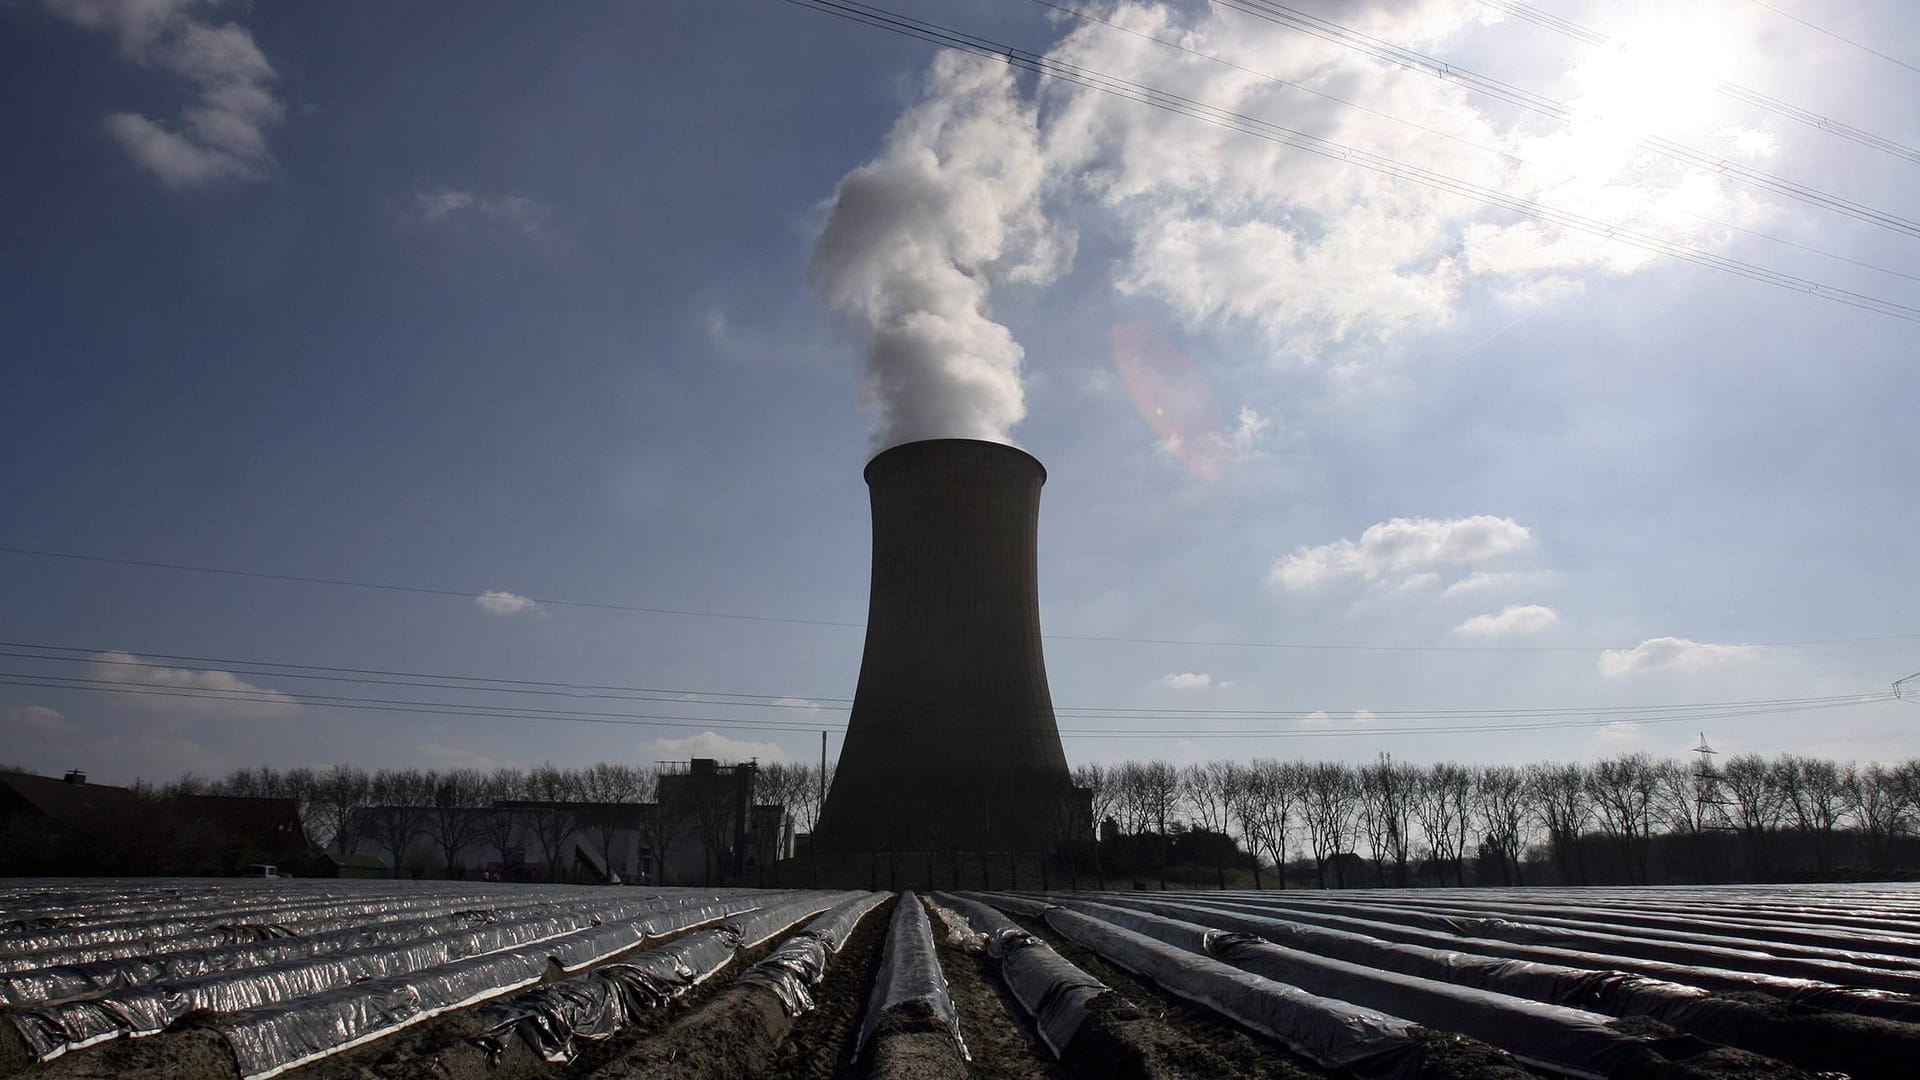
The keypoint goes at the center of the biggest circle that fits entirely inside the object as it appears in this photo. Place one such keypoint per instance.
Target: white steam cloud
(1218, 229)
(916, 239)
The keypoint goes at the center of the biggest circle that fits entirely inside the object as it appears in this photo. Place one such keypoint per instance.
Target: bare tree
(1758, 808)
(402, 801)
(1816, 791)
(1103, 795)
(1442, 799)
(1623, 790)
(456, 819)
(1386, 802)
(1280, 788)
(1331, 792)
(1206, 791)
(338, 797)
(500, 825)
(786, 786)
(663, 822)
(1559, 798)
(557, 791)
(1246, 799)
(610, 793)
(301, 785)
(1500, 803)
(1880, 807)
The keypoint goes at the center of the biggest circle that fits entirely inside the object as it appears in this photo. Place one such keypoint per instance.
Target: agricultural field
(142, 980)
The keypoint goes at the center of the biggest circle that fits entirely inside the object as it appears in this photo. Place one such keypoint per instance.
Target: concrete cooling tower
(952, 744)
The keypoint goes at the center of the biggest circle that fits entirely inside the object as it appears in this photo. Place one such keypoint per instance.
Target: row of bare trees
(394, 809)
(1390, 822)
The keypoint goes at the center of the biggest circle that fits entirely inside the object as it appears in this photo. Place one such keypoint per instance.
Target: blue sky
(485, 298)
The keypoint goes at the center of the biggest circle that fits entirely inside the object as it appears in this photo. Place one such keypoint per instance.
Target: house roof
(55, 798)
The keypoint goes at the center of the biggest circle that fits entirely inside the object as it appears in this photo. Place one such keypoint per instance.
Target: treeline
(393, 810)
(1631, 818)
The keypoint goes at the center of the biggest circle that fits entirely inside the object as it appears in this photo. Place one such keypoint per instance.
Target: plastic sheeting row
(1566, 1040)
(59, 982)
(1844, 951)
(1616, 993)
(1330, 1033)
(272, 1039)
(283, 993)
(910, 982)
(215, 927)
(1704, 967)
(551, 1018)
(1882, 944)
(1053, 991)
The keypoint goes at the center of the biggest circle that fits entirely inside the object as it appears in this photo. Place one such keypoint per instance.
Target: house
(704, 827)
(72, 826)
(335, 864)
(249, 829)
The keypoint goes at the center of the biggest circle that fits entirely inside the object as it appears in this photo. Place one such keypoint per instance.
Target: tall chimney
(952, 744)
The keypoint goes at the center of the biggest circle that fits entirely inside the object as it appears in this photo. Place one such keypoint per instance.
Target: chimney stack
(952, 744)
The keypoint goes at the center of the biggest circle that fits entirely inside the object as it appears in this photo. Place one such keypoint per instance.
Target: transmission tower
(1709, 805)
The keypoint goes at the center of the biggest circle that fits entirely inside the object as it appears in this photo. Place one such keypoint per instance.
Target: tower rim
(902, 453)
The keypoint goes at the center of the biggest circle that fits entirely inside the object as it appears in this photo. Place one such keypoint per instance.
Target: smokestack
(952, 744)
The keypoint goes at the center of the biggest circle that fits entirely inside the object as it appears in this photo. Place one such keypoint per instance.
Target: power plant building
(952, 744)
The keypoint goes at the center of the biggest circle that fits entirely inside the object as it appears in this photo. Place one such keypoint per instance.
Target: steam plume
(916, 239)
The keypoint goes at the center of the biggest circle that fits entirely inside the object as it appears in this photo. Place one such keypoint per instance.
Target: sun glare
(1660, 79)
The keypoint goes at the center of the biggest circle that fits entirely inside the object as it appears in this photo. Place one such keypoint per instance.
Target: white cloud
(710, 744)
(1322, 718)
(1315, 251)
(33, 718)
(1493, 581)
(1513, 619)
(1403, 545)
(501, 602)
(452, 207)
(444, 756)
(222, 134)
(1326, 258)
(1670, 654)
(188, 690)
(1189, 681)
(1248, 431)
(798, 704)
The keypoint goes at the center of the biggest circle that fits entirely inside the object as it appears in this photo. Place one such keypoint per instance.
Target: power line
(1436, 68)
(1815, 27)
(1090, 79)
(457, 710)
(1516, 159)
(463, 594)
(1569, 28)
(430, 680)
(424, 590)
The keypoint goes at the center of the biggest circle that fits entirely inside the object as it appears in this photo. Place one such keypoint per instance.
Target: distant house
(704, 827)
(249, 829)
(72, 826)
(30, 803)
(334, 864)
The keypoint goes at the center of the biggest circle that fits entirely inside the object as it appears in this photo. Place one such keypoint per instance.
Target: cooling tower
(951, 745)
